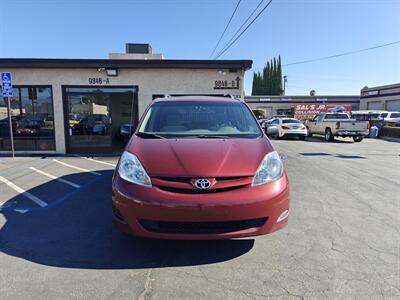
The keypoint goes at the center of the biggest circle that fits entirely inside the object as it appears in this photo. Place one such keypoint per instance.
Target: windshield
(365, 117)
(199, 119)
(95, 117)
(336, 116)
(290, 121)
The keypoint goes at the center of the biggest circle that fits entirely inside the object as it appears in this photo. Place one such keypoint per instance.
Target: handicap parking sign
(6, 84)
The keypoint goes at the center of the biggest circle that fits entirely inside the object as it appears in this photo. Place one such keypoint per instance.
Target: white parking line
(55, 178)
(99, 161)
(75, 167)
(23, 192)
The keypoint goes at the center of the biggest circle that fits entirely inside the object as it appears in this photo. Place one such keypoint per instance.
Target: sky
(296, 30)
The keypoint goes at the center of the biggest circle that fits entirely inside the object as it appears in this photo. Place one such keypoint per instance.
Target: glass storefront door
(95, 116)
(89, 121)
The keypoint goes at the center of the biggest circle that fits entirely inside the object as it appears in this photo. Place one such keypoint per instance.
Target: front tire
(357, 139)
(328, 135)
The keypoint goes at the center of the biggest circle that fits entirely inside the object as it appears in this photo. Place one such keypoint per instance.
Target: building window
(32, 120)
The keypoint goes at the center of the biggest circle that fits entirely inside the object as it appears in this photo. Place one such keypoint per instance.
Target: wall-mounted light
(112, 72)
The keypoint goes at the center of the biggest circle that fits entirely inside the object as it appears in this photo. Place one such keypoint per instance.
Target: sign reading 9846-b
(6, 84)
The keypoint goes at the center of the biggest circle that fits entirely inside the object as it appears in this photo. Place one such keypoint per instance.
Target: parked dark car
(33, 122)
(92, 124)
(125, 132)
(22, 126)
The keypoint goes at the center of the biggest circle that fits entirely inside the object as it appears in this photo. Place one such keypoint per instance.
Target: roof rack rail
(232, 96)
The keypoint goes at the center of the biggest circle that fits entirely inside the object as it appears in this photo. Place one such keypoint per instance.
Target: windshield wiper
(150, 135)
(204, 136)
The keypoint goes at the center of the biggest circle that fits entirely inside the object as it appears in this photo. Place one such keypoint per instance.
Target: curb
(390, 139)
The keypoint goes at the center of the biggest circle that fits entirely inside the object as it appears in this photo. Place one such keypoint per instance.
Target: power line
(244, 23)
(226, 27)
(240, 28)
(341, 54)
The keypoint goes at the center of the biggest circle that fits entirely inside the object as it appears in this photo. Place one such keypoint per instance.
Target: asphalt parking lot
(57, 240)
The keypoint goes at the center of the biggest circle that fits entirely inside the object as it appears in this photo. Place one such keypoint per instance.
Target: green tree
(254, 85)
(274, 81)
(266, 86)
(279, 77)
(269, 81)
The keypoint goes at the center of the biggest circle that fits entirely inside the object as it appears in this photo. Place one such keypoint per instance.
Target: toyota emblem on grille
(202, 184)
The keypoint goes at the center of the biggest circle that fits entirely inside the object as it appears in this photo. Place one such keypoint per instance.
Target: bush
(391, 131)
(259, 113)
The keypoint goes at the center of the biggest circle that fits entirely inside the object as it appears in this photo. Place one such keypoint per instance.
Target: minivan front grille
(184, 185)
(198, 191)
(188, 179)
(201, 227)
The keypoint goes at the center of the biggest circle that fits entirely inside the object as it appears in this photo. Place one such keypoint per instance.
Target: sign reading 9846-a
(6, 84)
(98, 80)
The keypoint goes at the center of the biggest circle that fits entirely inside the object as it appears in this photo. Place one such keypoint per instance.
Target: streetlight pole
(284, 84)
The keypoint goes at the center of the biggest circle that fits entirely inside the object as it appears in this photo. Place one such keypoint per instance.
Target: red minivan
(199, 168)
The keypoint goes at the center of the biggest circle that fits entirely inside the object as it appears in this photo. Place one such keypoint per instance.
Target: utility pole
(284, 84)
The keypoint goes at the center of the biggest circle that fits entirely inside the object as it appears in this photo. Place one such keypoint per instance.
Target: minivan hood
(191, 157)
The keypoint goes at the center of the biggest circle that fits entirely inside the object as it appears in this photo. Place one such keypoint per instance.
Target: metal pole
(132, 106)
(10, 125)
(284, 84)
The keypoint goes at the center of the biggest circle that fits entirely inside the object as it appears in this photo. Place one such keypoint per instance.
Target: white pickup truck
(337, 124)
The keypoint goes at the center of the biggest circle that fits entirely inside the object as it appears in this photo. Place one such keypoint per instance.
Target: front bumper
(135, 206)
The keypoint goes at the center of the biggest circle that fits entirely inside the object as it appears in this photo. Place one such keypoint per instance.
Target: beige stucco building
(385, 97)
(79, 105)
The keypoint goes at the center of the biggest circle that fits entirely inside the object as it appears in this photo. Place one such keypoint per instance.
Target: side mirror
(271, 130)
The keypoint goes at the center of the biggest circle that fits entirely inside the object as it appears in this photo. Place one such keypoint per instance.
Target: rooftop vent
(136, 51)
(138, 48)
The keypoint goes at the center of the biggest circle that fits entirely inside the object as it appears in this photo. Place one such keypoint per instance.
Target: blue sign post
(6, 84)
(7, 93)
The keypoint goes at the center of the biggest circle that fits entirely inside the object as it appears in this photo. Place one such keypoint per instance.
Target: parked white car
(390, 116)
(286, 127)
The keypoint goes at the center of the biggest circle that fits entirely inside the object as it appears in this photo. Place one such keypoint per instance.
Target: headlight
(132, 170)
(269, 170)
